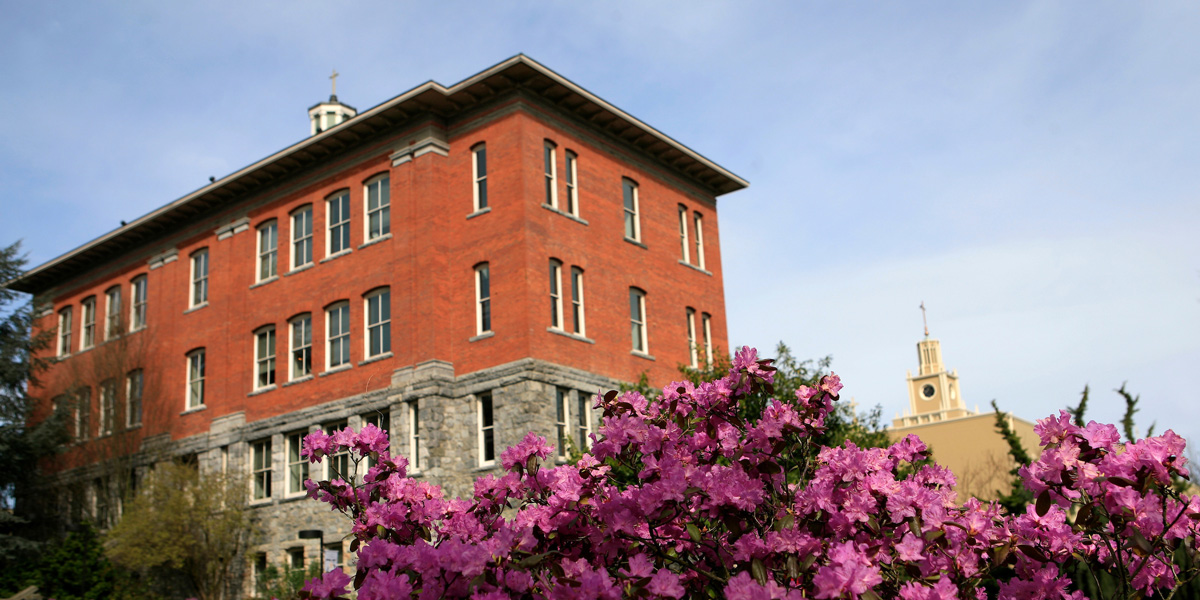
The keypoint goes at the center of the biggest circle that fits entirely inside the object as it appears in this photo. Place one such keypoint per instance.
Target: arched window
(479, 175)
(637, 320)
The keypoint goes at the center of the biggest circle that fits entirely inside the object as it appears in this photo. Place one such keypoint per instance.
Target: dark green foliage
(1077, 412)
(76, 568)
(1127, 427)
(1017, 497)
(284, 583)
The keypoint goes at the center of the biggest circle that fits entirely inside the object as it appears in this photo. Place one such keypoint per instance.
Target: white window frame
(479, 176)
(137, 303)
(135, 388)
(261, 466)
(302, 346)
(572, 175)
(637, 321)
(684, 246)
(706, 320)
(267, 251)
(482, 429)
(342, 338)
(304, 215)
(83, 414)
(338, 457)
(562, 420)
(198, 291)
(64, 330)
(550, 163)
(112, 312)
(693, 349)
(556, 300)
(265, 353)
(577, 313)
(483, 299)
(633, 222)
(382, 185)
(108, 408)
(381, 323)
(342, 197)
(583, 420)
(297, 466)
(698, 226)
(88, 339)
(196, 368)
(414, 436)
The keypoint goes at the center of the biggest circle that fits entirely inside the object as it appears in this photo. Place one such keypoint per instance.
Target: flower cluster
(718, 506)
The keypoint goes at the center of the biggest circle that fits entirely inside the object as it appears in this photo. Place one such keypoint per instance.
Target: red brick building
(459, 264)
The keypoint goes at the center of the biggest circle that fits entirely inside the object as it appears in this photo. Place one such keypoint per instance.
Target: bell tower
(327, 114)
(933, 393)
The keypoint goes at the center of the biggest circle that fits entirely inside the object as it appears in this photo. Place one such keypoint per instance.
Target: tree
(76, 568)
(24, 526)
(187, 524)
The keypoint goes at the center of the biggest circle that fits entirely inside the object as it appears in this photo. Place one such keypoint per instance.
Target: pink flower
(371, 439)
(532, 445)
(831, 383)
(665, 584)
(316, 445)
(329, 585)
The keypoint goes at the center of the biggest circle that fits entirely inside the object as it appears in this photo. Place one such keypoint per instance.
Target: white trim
(386, 324)
(640, 324)
(583, 419)
(572, 174)
(141, 396)
(478, 180)
(269, 358)
(199, 284)
(556, 294)
(268, 469)
(693, 353)
(87, 333)
(577, 305)
(108, 408)
(306, 209)
(550, 172)
(330, 224)
(112, 312)
(562, 420)
(414, 435)
(136, 323)
(288, 462)
(385, 207)
(683, 234)
(706, 319)
(268, 257)
(65, 316)
(481, 428)
(632, 219)
(342, 336)
(480, 300)
(292, 348)
(698, 221)
(190, 379)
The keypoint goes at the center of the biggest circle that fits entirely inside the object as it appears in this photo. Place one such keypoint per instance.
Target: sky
(1027, 170)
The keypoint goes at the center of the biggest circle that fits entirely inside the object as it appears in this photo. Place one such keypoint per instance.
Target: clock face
(927, 391)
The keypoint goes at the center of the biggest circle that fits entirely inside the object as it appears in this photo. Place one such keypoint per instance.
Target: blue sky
(1028, 170)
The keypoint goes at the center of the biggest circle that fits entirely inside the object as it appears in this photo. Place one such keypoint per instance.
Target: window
(479, 174)
(337, 465)
(414, 436)
(89, 323)
(549, 159)
(693, 358)
(637, 319)
(137, 313)
(556, 305)
(260, 468)
(296, 555)
(572, 189)
(268, 251)
(382, 419)
(379, 207)
(134, 386)
(338, 217)
(633, 230)
(483, 300)
(577, 300)
(698, 223)
(683, 237)
(379, 322)
(706, 320)
(301, 345)
(337, 331)
(64, 331)
(83, 414)
(583, 415)
(302, 234)
(333, 557)
(200, 278)
(108, 405)
(260, 571)
(561, 419)
(264, 358)
(487, 430)
(297, 466)
(112, 313)
(195, 392)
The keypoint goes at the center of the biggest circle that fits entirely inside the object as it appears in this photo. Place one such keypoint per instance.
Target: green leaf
(759, 571)
(1043, 503)
(694, 532)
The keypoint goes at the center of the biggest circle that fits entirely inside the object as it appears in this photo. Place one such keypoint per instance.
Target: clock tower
(933, 393)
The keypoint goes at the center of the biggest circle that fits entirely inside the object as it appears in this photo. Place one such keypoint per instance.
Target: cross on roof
(334, 79)
(923, 321)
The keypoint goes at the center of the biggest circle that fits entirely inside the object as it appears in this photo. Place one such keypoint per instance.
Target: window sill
(196, 307)
(574, 336)
(137, 329)
(384, 356)
(565, 214)
(337, 369)
(308, 377)
(484, 210)
(194, 410)
(133, 426)
(637, 243)
(641, 355)
(487, 467)
(265, 281)
(336, 255)
(82, 350)
(298, 269)
(62, 357)
(269, 388)
(383, 238)
(688, 264)
(259, 502)
(482, 336)
(293, 497)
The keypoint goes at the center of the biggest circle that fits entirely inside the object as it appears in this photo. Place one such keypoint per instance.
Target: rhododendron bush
(726, 507)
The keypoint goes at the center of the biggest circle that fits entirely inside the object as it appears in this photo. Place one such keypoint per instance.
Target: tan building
(962, 439)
